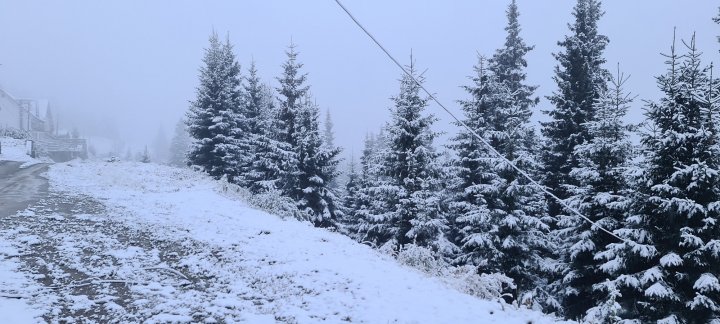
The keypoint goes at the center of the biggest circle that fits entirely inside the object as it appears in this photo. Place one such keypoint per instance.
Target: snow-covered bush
(275, 203)
(272, 202)
(420, 258)
(467, 280)
(14, 133)
(463, 278)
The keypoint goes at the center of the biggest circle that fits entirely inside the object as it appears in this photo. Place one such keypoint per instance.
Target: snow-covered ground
(15, 288)
(14, 150)
(261, 268)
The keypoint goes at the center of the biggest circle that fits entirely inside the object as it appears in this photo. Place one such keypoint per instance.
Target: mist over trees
(627, 232)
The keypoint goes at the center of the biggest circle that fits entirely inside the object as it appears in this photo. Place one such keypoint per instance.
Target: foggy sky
(127, 68)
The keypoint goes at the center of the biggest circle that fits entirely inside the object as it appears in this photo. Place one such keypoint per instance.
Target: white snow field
(261, 268)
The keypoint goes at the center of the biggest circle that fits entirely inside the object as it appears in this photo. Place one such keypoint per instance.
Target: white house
(10, 112)
(24, 114)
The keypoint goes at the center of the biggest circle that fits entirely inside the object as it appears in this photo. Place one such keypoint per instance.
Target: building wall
(10, 116)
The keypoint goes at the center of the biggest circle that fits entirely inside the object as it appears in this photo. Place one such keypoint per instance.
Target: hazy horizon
(126, 69)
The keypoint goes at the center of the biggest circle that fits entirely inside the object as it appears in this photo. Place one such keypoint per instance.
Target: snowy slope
(300, 273)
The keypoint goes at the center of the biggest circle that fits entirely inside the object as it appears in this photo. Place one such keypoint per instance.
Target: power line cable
(473, 132)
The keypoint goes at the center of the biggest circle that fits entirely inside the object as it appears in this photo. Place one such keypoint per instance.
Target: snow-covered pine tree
(601, 195)
(261, 159)
(668, 268)
(272, 157)
(473, 174)
(329, 141)
(366, 204)
(212, 117)
(329, 134)
(145, 156)
(350, 201)
(503, 216)
(290, 97)
(316, 168)
(179, 145)
(581, 79)
(409, 191)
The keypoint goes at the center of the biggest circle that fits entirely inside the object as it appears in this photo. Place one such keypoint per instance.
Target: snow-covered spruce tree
(316, 168)
(503, 216)
(601, 195)
(179, 145)
(261, 157)
(350, 201)
(473, 175)
(409, 190)
(329, 134)
(272, 158)
(145, 156)
(366, 203)
(290, 97)
(667, 269)
(581, 79)
(212, 117)
(329, 141)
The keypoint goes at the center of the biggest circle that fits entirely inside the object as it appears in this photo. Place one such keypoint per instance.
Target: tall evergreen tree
(668, 267)
(316, 168)
(409, 190)
(329, 134)
(350, 200)
(601, 195)
(367, 205)
(271, 158)
(260, 153)
(503, 216)
(329, 141)
(179, 145)
(212, 117)
(581, 79)
(291, 93)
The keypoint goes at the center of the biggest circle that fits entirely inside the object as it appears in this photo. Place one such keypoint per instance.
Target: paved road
(20, 187)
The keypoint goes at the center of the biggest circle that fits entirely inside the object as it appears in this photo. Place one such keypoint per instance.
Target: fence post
(30, 148)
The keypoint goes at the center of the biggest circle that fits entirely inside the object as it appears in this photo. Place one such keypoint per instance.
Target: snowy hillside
(262, 268)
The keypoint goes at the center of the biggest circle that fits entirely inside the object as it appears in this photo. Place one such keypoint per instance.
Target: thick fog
(125, 70)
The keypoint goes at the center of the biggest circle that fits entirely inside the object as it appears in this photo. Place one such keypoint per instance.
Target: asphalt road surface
(20, 187)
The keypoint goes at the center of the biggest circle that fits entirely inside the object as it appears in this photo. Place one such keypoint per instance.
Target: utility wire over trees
(409, 177)
(502, 217)
(311, 166)
(602, 193)
(668, 267)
